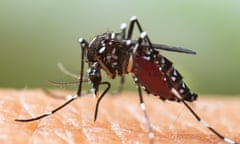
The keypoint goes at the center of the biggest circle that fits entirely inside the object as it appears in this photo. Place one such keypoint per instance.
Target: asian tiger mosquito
(118, 54)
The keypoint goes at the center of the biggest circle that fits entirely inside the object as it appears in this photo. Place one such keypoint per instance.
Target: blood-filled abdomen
(157, 76)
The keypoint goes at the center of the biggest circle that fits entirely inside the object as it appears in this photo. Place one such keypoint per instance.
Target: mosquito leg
(203, 122)
(133, 20)
(48, 113)
(123, 35)
(122, 81)
(135, 50)
(150, 132)
(123, 30)
(84, 45)
(100, 98)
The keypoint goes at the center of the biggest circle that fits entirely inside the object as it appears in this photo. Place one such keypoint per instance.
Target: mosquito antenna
(63, 83)
(66, 83)
(67, 72)
(50, 94)
(55, 96)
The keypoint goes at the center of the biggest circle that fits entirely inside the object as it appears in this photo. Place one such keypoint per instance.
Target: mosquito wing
(168, 48)
(173, 48)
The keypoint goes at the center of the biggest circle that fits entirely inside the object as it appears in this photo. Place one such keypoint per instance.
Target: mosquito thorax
(111, 52)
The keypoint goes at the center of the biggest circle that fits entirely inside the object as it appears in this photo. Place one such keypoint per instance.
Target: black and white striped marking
(201, 121)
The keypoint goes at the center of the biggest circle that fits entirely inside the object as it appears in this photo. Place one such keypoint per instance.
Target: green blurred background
(36, 35)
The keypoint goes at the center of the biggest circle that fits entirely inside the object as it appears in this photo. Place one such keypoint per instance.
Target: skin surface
(120, 119)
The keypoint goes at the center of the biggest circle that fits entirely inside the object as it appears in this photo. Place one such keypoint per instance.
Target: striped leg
(133, 21)
(84, 45)
(123, 35)
(150, 132)
(204, 123)
(142, 37)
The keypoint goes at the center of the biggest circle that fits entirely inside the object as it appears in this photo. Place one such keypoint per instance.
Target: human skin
(120, 119)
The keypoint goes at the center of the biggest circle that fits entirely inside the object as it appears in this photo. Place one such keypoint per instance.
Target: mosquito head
(99, 41)
(95, 46)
